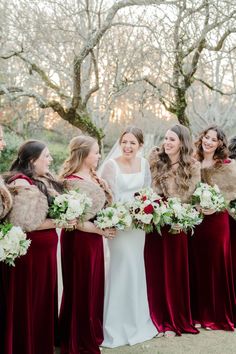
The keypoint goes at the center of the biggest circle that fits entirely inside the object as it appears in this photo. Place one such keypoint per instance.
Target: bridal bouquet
(209, 197)
(69, 206)
(117, 215)
(13, 243)
(183, 216)
(146, 210)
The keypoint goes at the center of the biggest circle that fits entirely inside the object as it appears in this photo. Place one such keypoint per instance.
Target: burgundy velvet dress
(232, 223)
(212, 289)
(167, 272)
(81, 313)
(28, 311)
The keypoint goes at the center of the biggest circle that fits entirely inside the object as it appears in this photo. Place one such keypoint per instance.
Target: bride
(126, 312)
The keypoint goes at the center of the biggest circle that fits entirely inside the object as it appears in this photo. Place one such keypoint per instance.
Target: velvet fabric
(81, 313)
(28, 295)
(167, 272)
(232, 223)
(212, 289)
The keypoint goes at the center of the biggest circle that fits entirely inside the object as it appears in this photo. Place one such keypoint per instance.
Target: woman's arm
(88, 226)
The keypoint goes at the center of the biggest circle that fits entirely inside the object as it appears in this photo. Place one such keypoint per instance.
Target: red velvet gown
(167, 272)
(232, 223)
(28, 297)
(81, 313)
(212, 289)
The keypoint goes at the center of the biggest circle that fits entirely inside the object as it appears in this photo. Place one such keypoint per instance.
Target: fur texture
(167, 185)
(5, 200)
(93, 190)
(30, 207)
(224, 175)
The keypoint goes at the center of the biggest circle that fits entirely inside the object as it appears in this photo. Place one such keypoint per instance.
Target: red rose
(144, 198)
(148, 209)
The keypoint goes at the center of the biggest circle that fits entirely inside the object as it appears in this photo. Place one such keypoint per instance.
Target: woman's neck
(84, 171)
(174, 159)
(131, 165)
(208, 160)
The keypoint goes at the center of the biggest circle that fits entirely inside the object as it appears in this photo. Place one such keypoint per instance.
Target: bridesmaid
(232, 221)
(212, 290)
(174, 174)
(81, 314)
(30, 288)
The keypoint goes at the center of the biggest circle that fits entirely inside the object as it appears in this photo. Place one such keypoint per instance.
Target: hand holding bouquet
(182, 216)
(209, 198)
(68, 207)
(13, 243)
(115, 216)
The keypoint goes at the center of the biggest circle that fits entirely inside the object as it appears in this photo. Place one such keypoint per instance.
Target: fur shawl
(5, 200)
(30, 207)
(167, 184)
(224, 175)
(93, 190)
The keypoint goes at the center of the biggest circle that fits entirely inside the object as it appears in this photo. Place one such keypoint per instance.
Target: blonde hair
(79, 147)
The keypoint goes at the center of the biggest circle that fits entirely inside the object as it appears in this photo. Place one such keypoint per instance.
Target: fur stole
(30, 207)
(224, 175)
(5, 200)
(166, 183)
(92, 190)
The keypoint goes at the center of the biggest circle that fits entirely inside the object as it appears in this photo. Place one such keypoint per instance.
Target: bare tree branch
(210, 87)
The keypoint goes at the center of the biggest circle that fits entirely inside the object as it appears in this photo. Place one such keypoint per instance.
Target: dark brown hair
(232, 148)
(221, 152)
(29, 152)
(136, 132)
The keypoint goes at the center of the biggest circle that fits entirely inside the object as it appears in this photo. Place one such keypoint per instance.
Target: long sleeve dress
(28, 312)
(212, 288)
(126, 312)
(166, 262)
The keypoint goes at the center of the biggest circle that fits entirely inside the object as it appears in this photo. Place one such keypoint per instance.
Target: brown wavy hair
(232, 148)
(221, 152)
(163, 165)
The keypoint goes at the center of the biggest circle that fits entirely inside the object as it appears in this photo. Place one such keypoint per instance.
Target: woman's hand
(71, 224)
(109, 233)
(207, 211)
(175, 228)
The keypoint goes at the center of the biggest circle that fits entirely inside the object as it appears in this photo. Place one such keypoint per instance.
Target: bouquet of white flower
(69, 206)
(117, 215)
(13, 243)
(183, 216)
(146, 210)
(209, 197)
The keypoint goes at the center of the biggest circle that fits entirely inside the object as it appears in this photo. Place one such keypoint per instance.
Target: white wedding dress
(126, 311)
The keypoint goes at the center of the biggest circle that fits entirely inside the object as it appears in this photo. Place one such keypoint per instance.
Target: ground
(206, 342)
